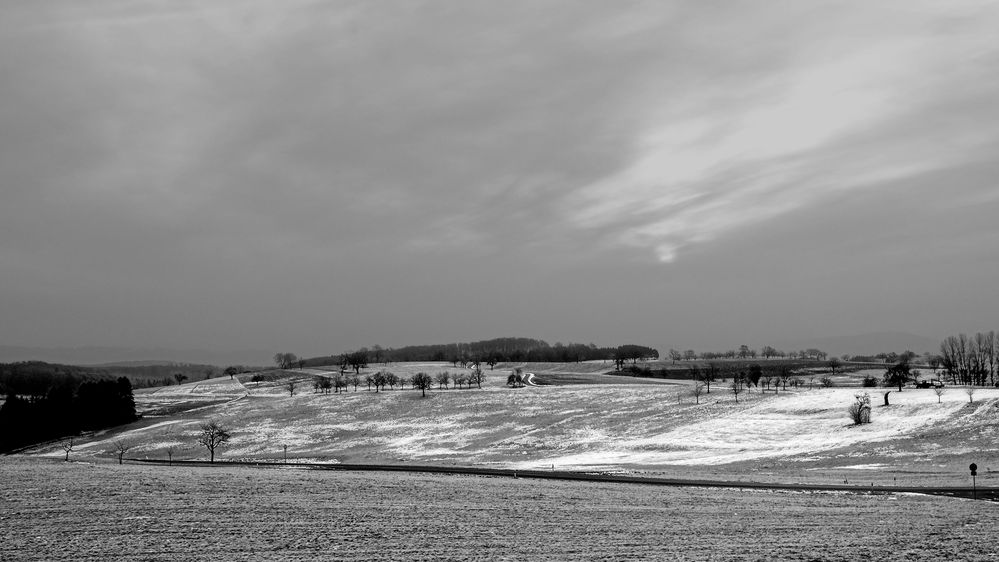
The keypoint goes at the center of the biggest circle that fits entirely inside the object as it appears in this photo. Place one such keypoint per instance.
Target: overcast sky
(314, 176)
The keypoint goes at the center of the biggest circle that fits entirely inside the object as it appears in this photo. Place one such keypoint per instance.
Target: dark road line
(986, 493)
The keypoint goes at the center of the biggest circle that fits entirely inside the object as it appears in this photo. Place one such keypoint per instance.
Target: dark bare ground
(52, 510)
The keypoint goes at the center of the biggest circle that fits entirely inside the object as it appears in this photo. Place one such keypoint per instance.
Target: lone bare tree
(231, 371)
(180, 377)
(120, 448)
(970, 391)
(290, 385)
(68, 447)
(834, 364)
(897, 375)
(860, 410)
(697, 392)
(939, 390)
(213, 435)
(285, 360)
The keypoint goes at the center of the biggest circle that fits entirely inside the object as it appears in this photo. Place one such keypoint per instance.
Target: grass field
(102, 511)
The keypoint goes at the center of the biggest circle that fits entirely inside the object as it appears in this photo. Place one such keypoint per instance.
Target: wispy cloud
(823, 121)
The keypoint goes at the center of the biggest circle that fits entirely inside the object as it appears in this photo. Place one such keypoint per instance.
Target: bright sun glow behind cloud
(694, 179)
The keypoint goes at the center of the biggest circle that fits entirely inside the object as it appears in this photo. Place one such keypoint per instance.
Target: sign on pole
(974, 488)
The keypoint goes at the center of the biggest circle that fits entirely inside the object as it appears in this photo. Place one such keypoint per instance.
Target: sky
(313, 176)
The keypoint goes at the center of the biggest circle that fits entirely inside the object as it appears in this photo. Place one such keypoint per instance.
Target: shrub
(826, 382)
(860, 410)
(870, 382)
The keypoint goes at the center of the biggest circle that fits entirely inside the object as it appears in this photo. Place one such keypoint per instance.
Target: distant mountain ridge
(126, 356)
(865, 344)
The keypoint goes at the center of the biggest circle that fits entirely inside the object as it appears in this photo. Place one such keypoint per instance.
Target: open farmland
(236, 513)
(795, 436)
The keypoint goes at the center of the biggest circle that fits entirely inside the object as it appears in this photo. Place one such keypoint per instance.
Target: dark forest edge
(488, 352)
(38, 409)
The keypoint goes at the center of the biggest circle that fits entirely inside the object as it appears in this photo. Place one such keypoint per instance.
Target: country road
(982, 493)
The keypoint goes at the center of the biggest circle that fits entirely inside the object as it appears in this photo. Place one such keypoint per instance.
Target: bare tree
(834, 364)
(120, 448)
(443, 379)
(970, 391)
(736, 389)
(697, 392)
(169, 452)
(675, 355)
(767, 379)
(290, 385)
(213, 435)
(897, 375)
(391, 379)
(231, 371)
(68, 447)
(379, 380)
(357, 360)
(180, 377)
(422, 381)
(285, 360)
(477, 377)
(939, 390)
(783, 375)
(860, 410)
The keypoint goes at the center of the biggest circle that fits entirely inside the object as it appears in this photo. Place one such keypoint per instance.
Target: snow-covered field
(210, 387)
(605, 426)
(792, 424)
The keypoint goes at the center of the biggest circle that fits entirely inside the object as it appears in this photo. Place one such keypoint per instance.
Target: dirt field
(51, 510)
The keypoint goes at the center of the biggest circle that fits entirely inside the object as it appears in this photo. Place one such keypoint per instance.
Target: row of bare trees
(971, 360)
(383, 380)
(746, 352)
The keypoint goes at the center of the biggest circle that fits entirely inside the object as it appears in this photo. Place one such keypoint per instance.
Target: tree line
(746, 352)
(486, 352)
(40, 408)
(39, 374)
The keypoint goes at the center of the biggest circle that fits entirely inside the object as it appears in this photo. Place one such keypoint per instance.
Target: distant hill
(865, 344)
(127, 356)
(141, 364)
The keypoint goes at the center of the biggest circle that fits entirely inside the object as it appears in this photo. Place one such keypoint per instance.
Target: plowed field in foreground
(50, 510)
